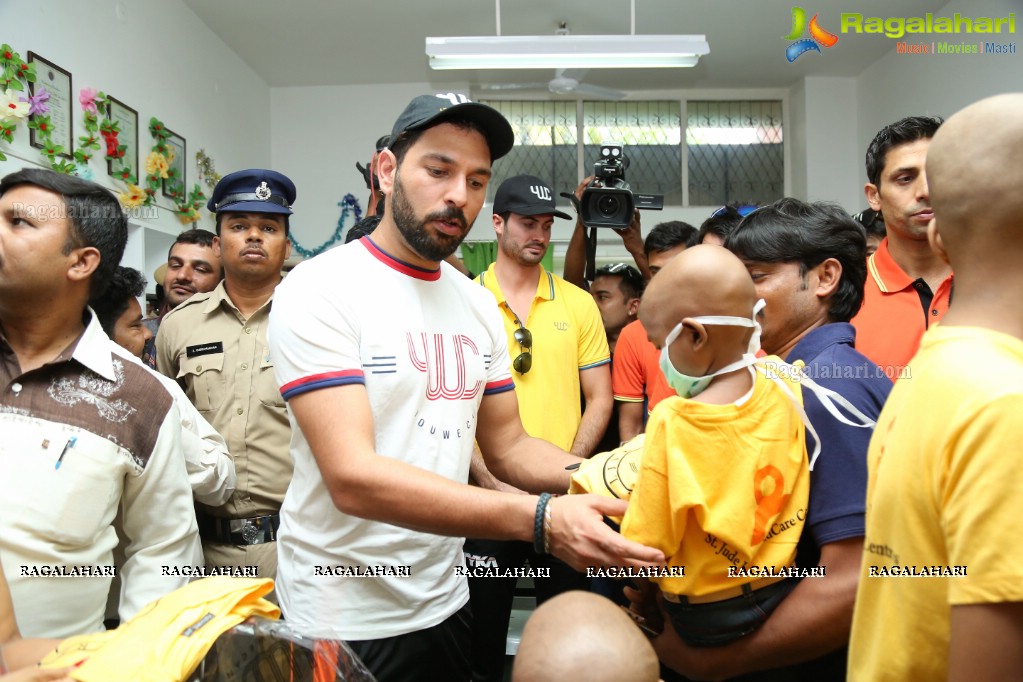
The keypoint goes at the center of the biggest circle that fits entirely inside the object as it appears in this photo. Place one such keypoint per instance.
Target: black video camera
(608, 201)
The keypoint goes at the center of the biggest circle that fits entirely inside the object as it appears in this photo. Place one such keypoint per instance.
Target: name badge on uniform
(204, 349)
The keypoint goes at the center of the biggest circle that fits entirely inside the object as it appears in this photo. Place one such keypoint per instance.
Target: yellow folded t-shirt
(166, 640)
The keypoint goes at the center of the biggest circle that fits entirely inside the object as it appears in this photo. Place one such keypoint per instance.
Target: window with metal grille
(652, 135)
(545, 145)
(735, 152)
(733, 148)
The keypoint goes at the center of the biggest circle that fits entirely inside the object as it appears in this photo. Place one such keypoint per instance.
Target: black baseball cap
(427, 111)
(526, 195)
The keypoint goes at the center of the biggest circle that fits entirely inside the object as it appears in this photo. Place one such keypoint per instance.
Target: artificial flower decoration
(12, 110)
(6, 135)
(87, 98)
(111, 141)
(13, 70)
(42, 124)
(133, 197)
(83, 171)
(156, 165)
(207, 170)
(85, 144)
(37, 103)
(189, 215)
(62, 166)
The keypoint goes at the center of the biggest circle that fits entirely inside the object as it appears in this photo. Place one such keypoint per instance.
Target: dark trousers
(437, 653)
(721, 622)
(491, 598)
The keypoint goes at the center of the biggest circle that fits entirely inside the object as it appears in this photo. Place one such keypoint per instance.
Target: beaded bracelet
(538, 523)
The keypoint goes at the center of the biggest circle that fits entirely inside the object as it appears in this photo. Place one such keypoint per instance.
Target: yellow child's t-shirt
(722, 486)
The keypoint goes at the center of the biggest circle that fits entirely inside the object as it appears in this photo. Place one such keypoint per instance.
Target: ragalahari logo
(818, 36)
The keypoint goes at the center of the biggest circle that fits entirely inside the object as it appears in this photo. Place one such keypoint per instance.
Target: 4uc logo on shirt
(442, 357)
(890, 27)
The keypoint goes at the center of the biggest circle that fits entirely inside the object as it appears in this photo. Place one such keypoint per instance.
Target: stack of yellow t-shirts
(166, 640)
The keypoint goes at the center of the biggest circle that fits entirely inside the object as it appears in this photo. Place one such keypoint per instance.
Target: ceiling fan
(565, 82)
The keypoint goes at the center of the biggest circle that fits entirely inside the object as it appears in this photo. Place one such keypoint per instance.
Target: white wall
(831, 157)
(795, 137)
(162, 61)
(899, 85)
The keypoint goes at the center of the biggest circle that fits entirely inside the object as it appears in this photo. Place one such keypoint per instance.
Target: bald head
(702, 280)
(975, 175)
(582, 636)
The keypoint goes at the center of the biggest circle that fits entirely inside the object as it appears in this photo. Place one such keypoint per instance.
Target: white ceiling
(333, 42)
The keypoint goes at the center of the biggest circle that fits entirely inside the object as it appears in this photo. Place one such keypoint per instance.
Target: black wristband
(541, 507)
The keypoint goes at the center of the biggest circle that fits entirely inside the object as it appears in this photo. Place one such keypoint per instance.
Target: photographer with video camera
(605, 200)
(575, 254)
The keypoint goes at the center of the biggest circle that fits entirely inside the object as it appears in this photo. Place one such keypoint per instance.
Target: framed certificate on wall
(57, 82)
(127, 120)
(174, 186)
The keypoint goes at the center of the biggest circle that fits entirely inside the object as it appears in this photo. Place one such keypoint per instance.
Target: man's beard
(431, 247)
(518, 252)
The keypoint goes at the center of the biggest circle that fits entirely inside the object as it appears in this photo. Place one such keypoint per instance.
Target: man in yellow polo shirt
(559, 354)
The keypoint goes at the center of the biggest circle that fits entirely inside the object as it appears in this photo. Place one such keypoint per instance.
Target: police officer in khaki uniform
(215, 346)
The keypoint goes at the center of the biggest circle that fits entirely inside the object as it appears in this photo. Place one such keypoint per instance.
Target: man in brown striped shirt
(87, 431)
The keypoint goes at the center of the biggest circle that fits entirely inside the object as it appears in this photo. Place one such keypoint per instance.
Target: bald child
(583, 636)
(723, 480)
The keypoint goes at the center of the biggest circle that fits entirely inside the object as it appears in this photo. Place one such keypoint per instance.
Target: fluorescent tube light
(566, 51)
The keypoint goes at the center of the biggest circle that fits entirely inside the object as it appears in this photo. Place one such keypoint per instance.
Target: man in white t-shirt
(392, 364)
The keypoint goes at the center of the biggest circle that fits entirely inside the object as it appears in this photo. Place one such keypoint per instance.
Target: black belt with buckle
(255, 530)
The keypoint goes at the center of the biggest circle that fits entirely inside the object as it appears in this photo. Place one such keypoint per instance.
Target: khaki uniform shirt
(222, 361)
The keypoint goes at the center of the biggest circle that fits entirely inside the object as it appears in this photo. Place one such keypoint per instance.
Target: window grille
(735, 152)
(545, 145)
(733, 149)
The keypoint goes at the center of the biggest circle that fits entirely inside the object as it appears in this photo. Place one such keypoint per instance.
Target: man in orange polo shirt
(908, 286)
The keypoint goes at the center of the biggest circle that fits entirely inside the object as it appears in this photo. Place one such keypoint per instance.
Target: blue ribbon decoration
(348, 203)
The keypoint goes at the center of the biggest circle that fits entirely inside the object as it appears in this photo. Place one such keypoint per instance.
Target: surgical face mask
(689, 386)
